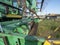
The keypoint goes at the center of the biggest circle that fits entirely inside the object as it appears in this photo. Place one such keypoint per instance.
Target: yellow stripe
(13, 16)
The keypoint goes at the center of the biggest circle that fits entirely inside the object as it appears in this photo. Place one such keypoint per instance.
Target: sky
(52, 6)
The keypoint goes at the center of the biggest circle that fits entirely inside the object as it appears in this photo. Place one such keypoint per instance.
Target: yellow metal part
(56, 42)
(57, 29)
(49, 36)
(13, 16)
(47, 43)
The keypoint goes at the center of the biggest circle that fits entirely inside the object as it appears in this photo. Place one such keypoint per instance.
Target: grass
(47, 27)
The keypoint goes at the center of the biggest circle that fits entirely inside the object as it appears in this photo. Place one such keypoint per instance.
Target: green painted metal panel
(19, 30)
(27, 3)
(30, 42)
(1, 14)
(1, 41)
(27, 40)
(2, 8)
(1, 0)
(22, 40)
(13, 11)
(13, 40)
(41, 41)
(23, 29)
(9, 2)
(33, 40)
(36, 20)
(31, 4)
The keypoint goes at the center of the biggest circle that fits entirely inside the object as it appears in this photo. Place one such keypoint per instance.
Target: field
(49, 27)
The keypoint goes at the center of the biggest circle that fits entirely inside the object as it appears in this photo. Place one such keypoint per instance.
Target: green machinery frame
(14, 28)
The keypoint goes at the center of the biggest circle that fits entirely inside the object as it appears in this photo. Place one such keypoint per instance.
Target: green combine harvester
(16, 28)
